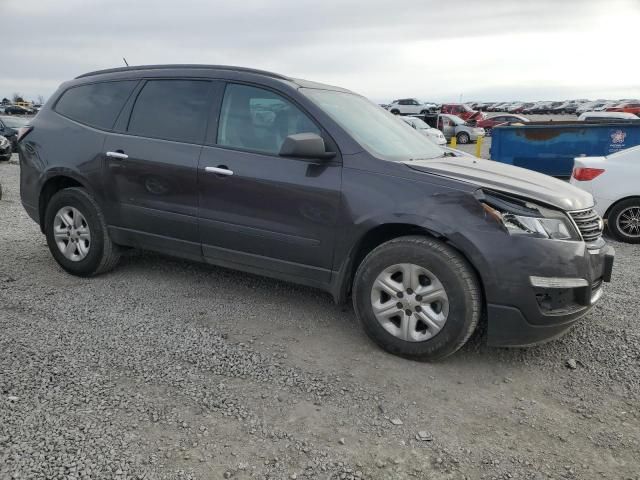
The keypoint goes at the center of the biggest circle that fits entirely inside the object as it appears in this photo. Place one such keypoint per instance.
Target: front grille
(589, 223)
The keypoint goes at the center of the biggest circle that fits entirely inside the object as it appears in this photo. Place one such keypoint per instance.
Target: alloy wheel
(72, 234)
(629, 221)
(409, 302)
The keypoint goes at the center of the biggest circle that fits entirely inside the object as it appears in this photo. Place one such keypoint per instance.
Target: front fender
(405, 206)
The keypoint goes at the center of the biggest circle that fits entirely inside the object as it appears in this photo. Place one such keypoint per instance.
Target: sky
(484, 50)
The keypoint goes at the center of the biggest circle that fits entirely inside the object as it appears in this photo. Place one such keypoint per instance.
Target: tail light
(23, 132)
(584, 174)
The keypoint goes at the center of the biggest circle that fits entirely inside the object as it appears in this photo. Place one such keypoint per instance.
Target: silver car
(454, 126)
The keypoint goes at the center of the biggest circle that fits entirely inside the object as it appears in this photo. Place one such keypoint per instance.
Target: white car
(604, 106)
(433, 134)
(613, 182)
(410, 106)
(607, 116)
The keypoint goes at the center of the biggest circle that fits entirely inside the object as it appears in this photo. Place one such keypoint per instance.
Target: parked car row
(565, 107)
(19, 109)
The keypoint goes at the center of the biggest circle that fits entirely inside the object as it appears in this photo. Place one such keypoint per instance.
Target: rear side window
(97, 104)
(172, 110)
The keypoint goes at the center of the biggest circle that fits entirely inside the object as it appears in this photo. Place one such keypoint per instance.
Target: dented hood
(509, 179)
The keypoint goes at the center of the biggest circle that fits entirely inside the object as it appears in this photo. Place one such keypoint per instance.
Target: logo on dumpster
(618, 136)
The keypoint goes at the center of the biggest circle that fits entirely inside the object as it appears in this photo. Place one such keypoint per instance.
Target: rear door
(260, 210)
(151, 165)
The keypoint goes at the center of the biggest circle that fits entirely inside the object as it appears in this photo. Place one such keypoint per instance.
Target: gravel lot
(171, 369)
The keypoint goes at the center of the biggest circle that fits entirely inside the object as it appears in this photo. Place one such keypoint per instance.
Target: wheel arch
(611, 207)
(377, 235)
(53, 184)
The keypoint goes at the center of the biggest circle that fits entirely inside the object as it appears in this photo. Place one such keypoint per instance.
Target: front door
(151, 167)
(257, 209)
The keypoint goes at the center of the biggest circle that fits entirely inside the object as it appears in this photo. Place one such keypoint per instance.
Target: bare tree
(17, 97)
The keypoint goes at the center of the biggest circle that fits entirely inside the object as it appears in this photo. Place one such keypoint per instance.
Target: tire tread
(457, 263)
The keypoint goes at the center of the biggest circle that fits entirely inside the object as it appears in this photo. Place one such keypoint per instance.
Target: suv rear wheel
(77, 234)
(417, 297)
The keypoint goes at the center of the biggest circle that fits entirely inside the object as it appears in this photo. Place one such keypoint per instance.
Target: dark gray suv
(316, 185)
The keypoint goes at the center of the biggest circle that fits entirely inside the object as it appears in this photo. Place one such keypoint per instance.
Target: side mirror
(305, 145)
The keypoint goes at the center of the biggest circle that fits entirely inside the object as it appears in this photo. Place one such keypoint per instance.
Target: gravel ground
(171, 369)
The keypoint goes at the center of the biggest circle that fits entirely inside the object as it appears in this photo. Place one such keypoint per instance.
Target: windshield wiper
(445, 154)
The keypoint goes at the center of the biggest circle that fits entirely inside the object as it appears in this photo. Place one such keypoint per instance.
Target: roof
(185, 66)
(228, 68)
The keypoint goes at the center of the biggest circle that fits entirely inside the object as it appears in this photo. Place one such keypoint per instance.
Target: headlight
(522, 217)
(3, 142)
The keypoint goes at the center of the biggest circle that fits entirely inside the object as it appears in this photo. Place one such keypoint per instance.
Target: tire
(395, 112)
(621, 211)
(100, 253)
(463, 138)
(455, 276)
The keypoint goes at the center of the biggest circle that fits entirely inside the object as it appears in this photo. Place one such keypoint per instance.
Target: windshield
(455, 119)
(14, 122)
(376, 130)
(419, 124)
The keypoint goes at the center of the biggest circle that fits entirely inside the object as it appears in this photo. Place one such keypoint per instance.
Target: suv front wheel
(77, 234)
(417, 297)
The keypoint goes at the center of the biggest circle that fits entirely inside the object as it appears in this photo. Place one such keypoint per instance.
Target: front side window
(259, 120)
(172, 110)
(96, 104)
(376, 130)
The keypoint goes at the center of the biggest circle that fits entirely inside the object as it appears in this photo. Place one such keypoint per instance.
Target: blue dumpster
(550, 147)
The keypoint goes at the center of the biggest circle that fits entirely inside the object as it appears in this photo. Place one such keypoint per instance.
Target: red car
(463, 111)
(489, 123)
(629, 107)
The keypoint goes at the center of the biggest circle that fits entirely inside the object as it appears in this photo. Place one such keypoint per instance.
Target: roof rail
(194, 66)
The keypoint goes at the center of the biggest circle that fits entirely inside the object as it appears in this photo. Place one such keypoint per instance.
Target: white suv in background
(410, 106)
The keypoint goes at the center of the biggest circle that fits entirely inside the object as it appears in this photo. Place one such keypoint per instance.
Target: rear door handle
(118, 155)
(221, 170)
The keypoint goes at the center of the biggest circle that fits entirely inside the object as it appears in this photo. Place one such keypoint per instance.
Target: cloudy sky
(432, 49)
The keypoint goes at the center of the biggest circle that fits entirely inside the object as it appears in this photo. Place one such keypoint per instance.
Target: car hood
(509, 179)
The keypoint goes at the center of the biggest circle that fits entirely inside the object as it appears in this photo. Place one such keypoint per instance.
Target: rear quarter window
(96, 104)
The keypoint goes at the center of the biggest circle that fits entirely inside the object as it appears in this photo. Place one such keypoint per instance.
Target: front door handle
(220, 170)
(119, 155)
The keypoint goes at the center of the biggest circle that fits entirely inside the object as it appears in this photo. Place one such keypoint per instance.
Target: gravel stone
(168, 369)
